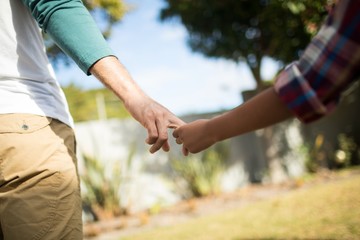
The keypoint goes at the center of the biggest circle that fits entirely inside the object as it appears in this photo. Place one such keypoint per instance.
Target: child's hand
(195, 136)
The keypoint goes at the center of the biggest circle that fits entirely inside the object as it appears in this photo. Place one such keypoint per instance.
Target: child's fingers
(176, 133)
(185, 151)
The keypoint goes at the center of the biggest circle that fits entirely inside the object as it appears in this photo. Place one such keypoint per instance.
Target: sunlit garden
(287, 181)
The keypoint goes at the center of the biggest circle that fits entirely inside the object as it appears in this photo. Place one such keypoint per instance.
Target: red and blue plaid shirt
(311, 87)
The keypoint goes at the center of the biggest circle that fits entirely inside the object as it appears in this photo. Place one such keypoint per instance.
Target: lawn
(323, 211)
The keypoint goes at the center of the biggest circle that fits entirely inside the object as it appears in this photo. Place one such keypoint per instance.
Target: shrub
(201, 173)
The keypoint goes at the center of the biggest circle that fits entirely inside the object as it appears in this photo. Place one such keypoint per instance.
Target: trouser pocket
(40, 195)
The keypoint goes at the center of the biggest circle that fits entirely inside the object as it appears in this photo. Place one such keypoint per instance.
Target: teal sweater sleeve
(72, 28)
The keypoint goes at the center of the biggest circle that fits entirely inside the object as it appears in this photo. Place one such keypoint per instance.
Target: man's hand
(154, 117)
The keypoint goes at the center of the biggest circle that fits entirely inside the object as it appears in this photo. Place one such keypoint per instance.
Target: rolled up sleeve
(72, 28)
(311, 87)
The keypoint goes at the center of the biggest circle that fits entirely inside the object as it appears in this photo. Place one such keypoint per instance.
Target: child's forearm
(261, 111)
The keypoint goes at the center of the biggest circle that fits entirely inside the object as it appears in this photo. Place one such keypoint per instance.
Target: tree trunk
(256, 74)
(255, 70)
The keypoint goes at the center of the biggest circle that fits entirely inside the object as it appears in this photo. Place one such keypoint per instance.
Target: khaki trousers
(39, 185)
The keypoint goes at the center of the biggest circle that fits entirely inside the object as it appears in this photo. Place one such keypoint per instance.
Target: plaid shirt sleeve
(311, 87)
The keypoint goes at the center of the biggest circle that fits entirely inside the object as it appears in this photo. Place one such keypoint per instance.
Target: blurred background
(199, 59)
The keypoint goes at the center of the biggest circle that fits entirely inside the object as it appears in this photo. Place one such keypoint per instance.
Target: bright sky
(159, 60)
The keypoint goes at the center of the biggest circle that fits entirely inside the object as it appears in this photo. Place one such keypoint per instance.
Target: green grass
(324, 211)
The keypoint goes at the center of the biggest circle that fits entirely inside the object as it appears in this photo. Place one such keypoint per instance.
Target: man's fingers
(175, 123)
(156, 146)
(166, 147)
(152, 134)
(158, 133)
(162, 136)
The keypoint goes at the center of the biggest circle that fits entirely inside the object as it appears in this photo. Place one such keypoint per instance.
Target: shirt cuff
(295, 91)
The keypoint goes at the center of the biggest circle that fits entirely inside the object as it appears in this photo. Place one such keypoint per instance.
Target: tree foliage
(106, 12)
(248, 30)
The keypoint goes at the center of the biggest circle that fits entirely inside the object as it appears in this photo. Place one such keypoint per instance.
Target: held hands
(156, 119)
(195, 136)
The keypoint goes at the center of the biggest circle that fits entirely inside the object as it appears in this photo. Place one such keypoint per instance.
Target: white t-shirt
(27, 80)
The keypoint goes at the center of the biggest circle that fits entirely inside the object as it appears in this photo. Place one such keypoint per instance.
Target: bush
(202, 174)
(101, 193)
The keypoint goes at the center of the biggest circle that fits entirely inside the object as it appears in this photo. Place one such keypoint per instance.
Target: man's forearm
(114, 76)
(261, 111)
(153, 116)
